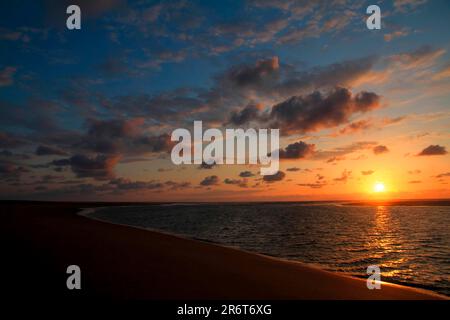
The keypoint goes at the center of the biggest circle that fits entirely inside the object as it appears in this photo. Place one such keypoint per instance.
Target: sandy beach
(41, 239)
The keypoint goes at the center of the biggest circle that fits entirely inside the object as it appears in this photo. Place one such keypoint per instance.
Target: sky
(87, 114)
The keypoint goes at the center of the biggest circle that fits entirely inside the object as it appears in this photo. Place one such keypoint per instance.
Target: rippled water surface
(411, 244)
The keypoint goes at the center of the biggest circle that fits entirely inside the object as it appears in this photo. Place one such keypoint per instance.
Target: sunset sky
(87, 114)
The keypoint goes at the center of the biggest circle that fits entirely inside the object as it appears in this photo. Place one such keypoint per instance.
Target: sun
(379, 187)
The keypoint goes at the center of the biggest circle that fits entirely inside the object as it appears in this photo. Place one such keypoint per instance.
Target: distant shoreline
(393, 202)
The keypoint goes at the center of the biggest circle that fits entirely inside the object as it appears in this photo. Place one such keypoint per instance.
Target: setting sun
(379, 187)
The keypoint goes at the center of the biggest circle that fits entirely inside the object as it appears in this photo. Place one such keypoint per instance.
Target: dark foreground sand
(40, 240)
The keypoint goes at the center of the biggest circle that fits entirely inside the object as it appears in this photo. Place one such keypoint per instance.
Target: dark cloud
(335, 159)
(356, 127)
(254, 76)
(239, 182)
(6, 76)
(301, 114)
(204, 165)
(114, 67)
(341, 74)
(246, 174)
(100, 167)
(173, 185)
(380, 149)
(367, 172)
(293, 169)
(35, 114)
(10, 172)
(11, 156)
(433, 150)
(280, 175)
(123, 136)
(246, 115)
(297, 150)
(61, 162)
(312, 185)
(43, 150)
(127, 184)
(414, 181)
(10, 141)
(443, 175)
(210, 181)
(340, 152)
(344, 176)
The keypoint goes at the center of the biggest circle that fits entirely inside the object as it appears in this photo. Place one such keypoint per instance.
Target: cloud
(166, 106)
(356, 127)
(254, 76)
(380, 149)
(414, 181)
(173, 185)
(246, 115)
(405, 5)
(210, 181)
(367, 172)
(122, 136)
(35, 114)
(100, 167)
(443, 175)
(43, 150)
(301, 114)
(114, 67)
(61, 162)
(11, 172)
(388, 37)
(443, 73)
(340, 152)
(10, 141)
(13, 156)
(335, 159)
(297, 150)
(246, 174)
(293, 169)
(414, 171)
(6, 76)
(312, 185)
(127, 184)
(433, 150)
(341, 74)
(245, 84)
(204, 165)
(423, 57)
(280, 175)
(344, 176)
(265, 81)
(239, 182)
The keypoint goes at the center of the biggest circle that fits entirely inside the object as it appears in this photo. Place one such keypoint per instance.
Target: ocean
(410, 244)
